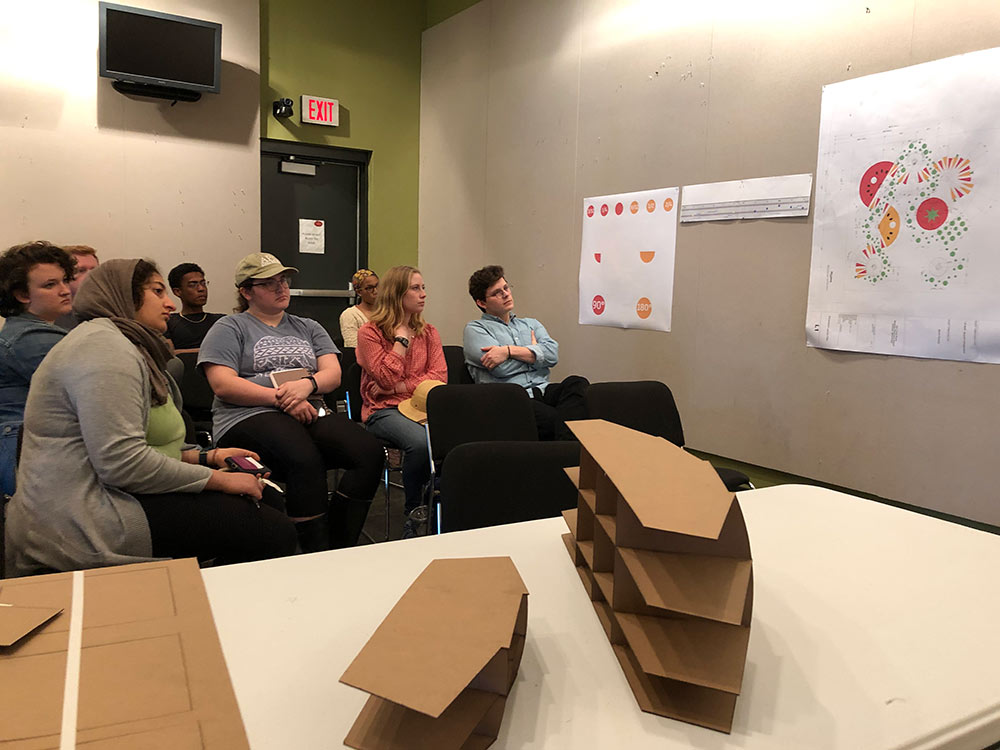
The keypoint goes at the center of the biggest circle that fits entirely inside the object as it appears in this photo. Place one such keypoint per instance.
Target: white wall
(528, 107)
(83, 164)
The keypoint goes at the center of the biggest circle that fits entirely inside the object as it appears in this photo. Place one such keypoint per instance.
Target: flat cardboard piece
(711, 587)
(17, 622)
(470, 616)
(152, 673)
(732, 541)
(697, 502)
(701, 652)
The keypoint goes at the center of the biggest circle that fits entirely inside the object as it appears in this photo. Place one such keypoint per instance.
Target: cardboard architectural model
(441, 664)
(134, 650)
(663, 553)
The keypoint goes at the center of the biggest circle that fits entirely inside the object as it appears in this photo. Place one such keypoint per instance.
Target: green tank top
(165, 431)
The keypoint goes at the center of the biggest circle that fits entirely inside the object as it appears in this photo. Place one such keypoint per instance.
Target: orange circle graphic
(650, 205)
(634, 207)
(643, 308)
(668, 204)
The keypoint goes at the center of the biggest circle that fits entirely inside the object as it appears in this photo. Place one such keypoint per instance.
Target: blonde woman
(397, 350)
(365, 283)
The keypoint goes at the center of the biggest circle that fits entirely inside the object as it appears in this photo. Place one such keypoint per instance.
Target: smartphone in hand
(246, 464)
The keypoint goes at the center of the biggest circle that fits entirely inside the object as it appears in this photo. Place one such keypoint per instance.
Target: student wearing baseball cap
(288, 425)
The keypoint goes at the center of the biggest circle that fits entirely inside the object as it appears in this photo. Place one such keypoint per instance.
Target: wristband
(403, 341)
(312, 380)
(203, 457)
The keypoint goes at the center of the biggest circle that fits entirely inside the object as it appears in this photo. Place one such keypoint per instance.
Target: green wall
(440, 10)
(367, 56)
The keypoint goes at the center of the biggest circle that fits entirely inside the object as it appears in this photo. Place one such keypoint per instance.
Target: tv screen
(144, 46)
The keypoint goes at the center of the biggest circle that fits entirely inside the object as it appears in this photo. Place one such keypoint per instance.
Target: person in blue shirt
(501, 347)
(34, 293)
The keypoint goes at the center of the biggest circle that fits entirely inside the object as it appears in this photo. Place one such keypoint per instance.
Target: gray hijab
(107, 293)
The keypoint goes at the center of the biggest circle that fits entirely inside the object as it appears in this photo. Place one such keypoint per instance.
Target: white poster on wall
(905, 259)
(312, 236)
(627, 259)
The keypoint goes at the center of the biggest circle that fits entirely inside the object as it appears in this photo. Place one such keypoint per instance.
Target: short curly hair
(482, 280)
(177, 274)
(15, 264)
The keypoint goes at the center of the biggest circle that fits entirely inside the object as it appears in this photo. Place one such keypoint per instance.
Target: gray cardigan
(84, 451)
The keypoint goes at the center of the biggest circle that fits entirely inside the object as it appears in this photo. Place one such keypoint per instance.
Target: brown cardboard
(17, 622)
(470, 617)
(662, 550)
(636, 464)
(152, 673)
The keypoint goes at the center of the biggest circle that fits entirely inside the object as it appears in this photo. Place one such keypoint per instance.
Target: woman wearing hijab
(268, 370)
(397, 351)
(365, 283)
(105, 478)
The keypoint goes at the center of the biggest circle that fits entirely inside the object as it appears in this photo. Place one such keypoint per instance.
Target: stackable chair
(198, 396)
(351, 383)
(458, 373)
(493, 483)
(648, 406)
(459, 414)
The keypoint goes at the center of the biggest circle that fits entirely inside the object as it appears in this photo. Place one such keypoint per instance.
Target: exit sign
(320, 111)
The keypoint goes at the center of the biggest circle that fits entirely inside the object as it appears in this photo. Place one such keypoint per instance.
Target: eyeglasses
(371, 288)
(196, 284)
(501, 292)
(273, 285)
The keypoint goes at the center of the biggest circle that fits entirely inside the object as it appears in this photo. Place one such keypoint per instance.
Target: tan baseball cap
(415, 407)
(260, 266)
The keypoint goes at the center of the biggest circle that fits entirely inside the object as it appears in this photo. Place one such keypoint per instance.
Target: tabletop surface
(873, 627)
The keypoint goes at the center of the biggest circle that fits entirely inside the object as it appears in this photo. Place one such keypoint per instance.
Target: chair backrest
(347, 358)
(493, 483)
(644, 405)
(351, 383)
(459, 414)
(195, 390)
(458, 373)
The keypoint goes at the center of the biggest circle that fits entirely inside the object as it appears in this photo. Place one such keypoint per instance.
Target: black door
(319, 184)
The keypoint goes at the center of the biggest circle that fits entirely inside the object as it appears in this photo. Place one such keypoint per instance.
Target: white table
(873, 627)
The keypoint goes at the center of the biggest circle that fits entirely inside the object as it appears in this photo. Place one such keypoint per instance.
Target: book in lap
(279, 377)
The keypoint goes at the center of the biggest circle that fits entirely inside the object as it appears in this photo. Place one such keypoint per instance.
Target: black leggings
(559, 404)
(214, 525)
(300, 455)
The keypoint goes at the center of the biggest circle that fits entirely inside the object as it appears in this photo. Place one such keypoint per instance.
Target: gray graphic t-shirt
(255, 350)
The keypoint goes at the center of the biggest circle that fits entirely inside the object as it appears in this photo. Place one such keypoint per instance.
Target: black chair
(351, 383)
(459, 414)
(648, 406)
(339, 394)
(458, 373)
(493, 483)
(196, 392)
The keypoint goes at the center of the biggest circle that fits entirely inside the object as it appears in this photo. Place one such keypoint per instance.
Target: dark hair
(482, 280)
(15, 264)
(143, 272)
(177, 273)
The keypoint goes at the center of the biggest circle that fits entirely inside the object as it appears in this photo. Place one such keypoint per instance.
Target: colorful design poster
(627, 259)
(904, 256)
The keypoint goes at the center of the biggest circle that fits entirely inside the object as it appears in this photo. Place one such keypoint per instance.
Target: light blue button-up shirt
(490, 330)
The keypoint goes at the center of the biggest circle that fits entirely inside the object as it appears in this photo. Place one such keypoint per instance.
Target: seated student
(500, 347)
(105, 478)
(365, 283)
(284, 424)
(397, 351)
(186, 329)
(86, 261)
(34, 293)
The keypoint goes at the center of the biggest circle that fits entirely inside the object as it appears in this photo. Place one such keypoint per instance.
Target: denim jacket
(492, 331)
(24, 341)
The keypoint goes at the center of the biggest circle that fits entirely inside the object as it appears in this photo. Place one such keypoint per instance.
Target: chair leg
(385, 481)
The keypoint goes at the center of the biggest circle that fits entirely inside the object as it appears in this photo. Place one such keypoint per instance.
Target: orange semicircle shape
(646, 255)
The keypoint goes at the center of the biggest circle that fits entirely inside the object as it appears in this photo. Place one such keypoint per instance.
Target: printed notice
(312, 236)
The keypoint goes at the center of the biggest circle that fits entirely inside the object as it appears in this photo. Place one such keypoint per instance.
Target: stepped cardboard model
(114, 658)
(441, 664)
(662, 551)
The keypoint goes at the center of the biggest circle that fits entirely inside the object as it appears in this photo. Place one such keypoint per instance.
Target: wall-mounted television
(159, 50)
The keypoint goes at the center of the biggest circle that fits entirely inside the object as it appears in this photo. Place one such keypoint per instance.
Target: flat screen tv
(159, 50)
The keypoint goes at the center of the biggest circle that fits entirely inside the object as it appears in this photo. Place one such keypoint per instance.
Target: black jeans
(299, 455)
(214, 525)
(560, 403)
